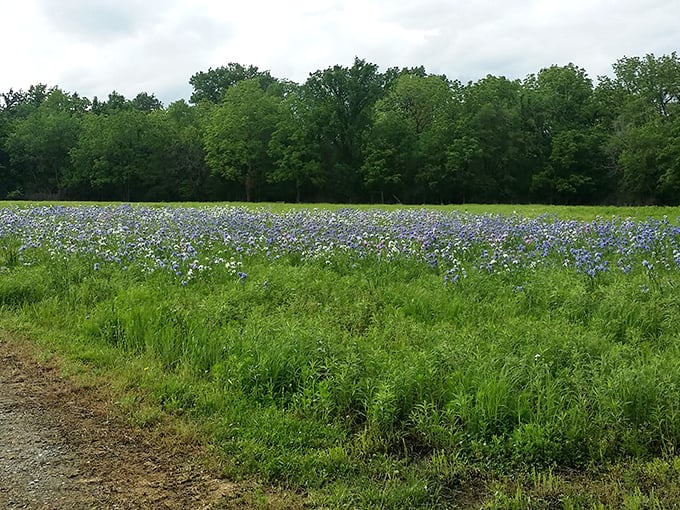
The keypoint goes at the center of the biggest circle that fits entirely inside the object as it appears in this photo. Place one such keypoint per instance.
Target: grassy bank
(505, 364)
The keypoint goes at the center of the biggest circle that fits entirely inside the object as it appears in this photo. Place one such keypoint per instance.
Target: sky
(96, 46)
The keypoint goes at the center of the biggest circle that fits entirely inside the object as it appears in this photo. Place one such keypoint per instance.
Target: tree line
(356, 134)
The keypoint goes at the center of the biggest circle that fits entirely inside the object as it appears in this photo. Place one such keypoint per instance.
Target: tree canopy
(356, 134)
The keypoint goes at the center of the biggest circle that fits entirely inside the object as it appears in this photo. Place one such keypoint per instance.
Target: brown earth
(65, 446)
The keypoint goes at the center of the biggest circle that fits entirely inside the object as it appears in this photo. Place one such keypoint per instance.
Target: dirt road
(62, 447)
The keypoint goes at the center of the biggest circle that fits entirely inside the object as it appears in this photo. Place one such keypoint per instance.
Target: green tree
(487, 159)
(119, 155)
(342, 101)
(12, 99)
(643, 141)
(638, 153)
(146, 102)
(38, 144)
(211, 85)
(21, 103)
(294, 147)
(114, 103)
(574, 166)
(409, 137)
(7, 181)
(651, 81)
(13, 105)
(389, 156)
(669, 180)
(239, 132)
(191, 177)
(37, 94)
(564, 96)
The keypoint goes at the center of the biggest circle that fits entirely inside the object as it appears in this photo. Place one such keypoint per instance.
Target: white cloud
(96, 46)
(97, 21)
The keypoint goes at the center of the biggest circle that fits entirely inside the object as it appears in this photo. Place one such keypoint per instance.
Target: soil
(63, 446)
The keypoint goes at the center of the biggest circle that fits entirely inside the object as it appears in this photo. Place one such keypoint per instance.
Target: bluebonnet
(192, 242)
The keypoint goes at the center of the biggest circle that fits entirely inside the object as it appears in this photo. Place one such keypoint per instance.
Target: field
(495, 357)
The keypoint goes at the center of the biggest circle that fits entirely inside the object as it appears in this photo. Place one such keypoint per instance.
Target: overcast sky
(95, 46)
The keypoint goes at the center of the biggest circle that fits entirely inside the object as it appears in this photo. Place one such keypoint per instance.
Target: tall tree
(115, 102)
(119, 155)
(669, 180)
(212, 85)
(574, 169)
(14, 105)
(7, 180)
(38, 144)
(644, 141)
(342, 100)
(184, 146)
(487, 158)
(294, 147)
(651, 80)
(238, 134)
(146, 102)
(408, 139)
(11, 99)
(21, 103)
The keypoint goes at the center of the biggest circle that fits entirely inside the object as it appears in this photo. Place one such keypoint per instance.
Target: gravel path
(61, 447)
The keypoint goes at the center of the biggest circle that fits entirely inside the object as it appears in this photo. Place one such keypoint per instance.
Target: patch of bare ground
(66, 446)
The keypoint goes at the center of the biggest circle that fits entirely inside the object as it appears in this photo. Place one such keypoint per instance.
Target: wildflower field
(378, 358)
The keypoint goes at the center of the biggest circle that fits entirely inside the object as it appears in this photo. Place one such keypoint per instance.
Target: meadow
(485, 356)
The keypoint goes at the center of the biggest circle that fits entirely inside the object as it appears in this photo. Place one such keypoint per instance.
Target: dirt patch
(63, 446)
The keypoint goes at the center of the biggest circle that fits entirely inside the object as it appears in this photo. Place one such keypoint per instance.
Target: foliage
(644, 142)
(409, 135)
(118, 153)
(486, 161)
(355, 133)
(39, 141)
(239, 132)
(294, 146)
(342, 100)
(211, 85)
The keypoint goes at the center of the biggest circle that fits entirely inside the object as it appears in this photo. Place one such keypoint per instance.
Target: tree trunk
(249, 185)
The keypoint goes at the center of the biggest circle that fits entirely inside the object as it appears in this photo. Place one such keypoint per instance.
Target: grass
(376, 386)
